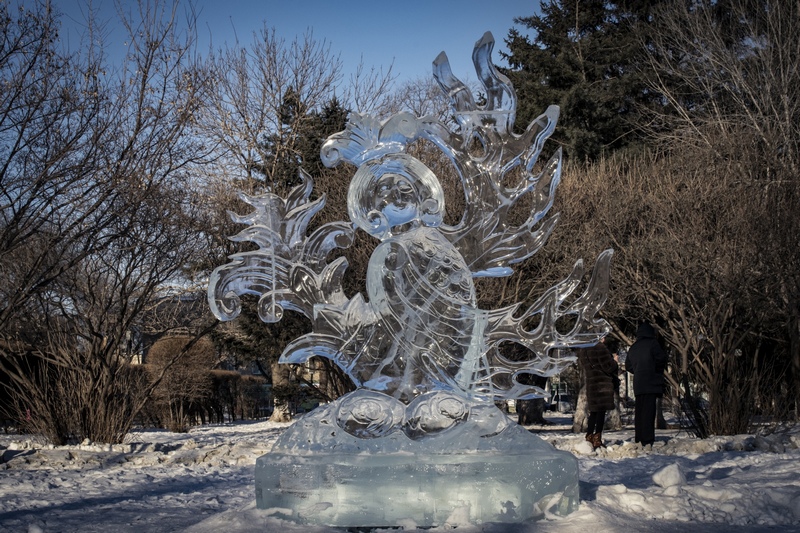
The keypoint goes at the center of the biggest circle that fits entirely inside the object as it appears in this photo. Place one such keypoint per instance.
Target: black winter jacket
(599, 368)
(646, 361)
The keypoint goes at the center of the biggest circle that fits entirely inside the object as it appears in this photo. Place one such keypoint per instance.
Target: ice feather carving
(289, 270)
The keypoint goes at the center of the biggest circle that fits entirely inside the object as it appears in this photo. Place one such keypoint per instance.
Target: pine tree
(298, 142)
(586, 57)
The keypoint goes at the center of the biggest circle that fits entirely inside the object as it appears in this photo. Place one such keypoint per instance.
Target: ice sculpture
(420, 439)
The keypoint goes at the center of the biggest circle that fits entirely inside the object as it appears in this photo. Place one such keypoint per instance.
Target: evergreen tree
(585, 57)
(297, 143)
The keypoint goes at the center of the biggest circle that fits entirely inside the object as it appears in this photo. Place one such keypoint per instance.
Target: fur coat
(600, 369)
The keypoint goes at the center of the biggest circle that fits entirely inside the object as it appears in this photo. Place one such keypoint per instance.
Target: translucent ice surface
(484, 470)
(421, 438)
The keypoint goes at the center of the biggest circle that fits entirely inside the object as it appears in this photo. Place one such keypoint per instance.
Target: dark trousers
(596, 419)
(644, 418)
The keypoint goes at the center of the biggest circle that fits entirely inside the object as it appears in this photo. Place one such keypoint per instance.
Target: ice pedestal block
(486, 469)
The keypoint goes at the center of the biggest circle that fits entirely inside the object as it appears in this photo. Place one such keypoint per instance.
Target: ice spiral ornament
(433, 413)
(368, 415)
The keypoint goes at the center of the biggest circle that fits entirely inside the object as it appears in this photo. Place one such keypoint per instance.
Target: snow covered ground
(202, 482)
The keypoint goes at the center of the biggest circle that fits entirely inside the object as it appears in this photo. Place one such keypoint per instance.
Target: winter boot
(590, 437)
(597, 441)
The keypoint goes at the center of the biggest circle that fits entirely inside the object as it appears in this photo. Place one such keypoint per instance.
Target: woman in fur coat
(601, 371)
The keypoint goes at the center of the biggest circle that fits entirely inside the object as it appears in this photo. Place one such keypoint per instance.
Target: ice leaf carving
(289, 270)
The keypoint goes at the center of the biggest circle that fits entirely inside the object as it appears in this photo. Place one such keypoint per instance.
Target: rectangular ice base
(380, 490)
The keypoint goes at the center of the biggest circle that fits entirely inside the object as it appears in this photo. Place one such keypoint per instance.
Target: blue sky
(410, 32)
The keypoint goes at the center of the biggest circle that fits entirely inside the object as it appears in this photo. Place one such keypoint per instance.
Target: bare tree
(186, 383)
(266, 98)
(370, 91)
(95, 220)
(422, 97)
(703, 230)
(685, 261)
(251, 86)
(729, 73)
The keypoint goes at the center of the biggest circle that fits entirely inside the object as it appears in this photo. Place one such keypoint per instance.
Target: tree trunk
(580, 419)
(660, 422)
(614, 417)
(280, 380)
(794, 356)
(531, 412)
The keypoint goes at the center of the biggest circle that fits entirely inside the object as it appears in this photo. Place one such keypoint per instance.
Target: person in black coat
(646, 361)
(600, 369)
